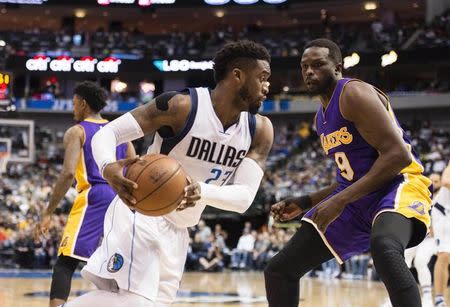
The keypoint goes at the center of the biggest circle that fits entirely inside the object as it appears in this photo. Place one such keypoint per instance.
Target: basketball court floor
(22, 289)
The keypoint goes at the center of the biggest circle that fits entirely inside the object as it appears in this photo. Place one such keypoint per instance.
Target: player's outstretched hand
(192, 194)
(42, 227)
(113, 174)
(285, 211)
(326, 212)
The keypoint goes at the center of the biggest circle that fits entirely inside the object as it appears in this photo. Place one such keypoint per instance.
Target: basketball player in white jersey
(440, 219)
(422, 253)
(215, 135)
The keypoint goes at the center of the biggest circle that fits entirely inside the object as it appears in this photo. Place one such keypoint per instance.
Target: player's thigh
(173, 252)
(304, 251)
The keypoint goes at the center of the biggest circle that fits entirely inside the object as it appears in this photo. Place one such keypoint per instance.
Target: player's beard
(244, 94)
(323, 86)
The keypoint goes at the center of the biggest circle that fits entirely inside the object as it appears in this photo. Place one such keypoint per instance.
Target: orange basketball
(161, 181)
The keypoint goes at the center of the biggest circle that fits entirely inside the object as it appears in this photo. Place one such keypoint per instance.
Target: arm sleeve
(121, 130)
(236, 197)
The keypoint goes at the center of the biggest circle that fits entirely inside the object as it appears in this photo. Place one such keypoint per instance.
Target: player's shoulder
(263, 122)
(74, 132)
(356, 89)
(179, 102)
(264, 130)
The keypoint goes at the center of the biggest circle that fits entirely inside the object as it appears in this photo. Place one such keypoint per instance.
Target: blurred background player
(380, 199)
(215, 135)
(441, 229)
(84, 227)
(421, 255)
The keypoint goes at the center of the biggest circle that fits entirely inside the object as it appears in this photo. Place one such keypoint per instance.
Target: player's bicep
(164, 110)
(262, 141)
(73, 142)
(361, 105)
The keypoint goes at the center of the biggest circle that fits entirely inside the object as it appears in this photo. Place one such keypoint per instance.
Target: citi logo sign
(67, 64)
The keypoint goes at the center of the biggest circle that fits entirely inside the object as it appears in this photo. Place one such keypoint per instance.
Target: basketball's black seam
(137, 177)
(173, 174)
(151, 210)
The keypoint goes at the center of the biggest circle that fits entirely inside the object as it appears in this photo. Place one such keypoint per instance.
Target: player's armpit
(262, 141)
(171, 112)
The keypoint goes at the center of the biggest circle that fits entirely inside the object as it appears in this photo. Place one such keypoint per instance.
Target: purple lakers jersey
(342, 142)
(87, 172)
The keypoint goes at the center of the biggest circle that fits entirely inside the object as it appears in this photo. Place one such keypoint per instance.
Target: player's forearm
(306, 202)
(62, 185)
(236, 198)
(239, 196)
(385, 168)
(121, 130)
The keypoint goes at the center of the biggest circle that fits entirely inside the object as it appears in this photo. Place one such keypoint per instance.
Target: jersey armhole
(169, 143)
(83, 136)
(252, 125)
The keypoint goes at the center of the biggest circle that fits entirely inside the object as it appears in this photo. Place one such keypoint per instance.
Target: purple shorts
(84, 228)
(349, 234)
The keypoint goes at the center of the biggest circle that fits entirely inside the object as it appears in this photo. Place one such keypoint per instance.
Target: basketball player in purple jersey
(84, 226)
(380, 200)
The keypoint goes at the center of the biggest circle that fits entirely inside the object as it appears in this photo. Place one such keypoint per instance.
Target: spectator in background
(212, 261)
(204, 231)
(241, 255)
(260, 250)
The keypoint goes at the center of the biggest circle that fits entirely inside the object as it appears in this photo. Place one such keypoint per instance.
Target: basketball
(161, 181)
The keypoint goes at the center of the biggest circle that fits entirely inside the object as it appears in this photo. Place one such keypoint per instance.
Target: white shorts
(143, 254)
(441, 229)
(424, 251)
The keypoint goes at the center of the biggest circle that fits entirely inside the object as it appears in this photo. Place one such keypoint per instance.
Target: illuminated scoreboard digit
(5, 85)
(5, 92)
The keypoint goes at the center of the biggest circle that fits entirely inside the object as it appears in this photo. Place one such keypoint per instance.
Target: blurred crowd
(296, 166)
(379, 35)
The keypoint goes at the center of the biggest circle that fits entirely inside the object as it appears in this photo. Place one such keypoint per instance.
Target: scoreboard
(5, 91)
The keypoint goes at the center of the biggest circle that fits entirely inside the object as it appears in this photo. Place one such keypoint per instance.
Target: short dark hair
(94, 95)
(334, 50)
(231, 55)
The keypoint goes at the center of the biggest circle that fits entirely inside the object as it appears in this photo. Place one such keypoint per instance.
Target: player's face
(436, 180)
(78, 107)
(318, 70)
(256, 86)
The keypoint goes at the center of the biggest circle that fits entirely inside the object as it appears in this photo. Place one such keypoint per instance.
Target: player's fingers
(127, 198)
(192, 198)
(193, 188)
(129, 184)
(129, 161)
(185, 204)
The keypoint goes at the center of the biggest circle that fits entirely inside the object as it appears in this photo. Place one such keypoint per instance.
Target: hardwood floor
(214, 290)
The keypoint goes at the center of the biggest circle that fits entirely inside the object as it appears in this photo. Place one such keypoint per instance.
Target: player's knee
(65, 265)
(381, 244)
(62, 277)
(274, 268)
(278, 267)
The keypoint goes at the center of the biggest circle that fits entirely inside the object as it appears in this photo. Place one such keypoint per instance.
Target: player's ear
(237, 74)
(338, 69)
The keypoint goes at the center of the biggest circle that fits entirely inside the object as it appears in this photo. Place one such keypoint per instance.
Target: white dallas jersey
(206, 152)
(442, 198)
